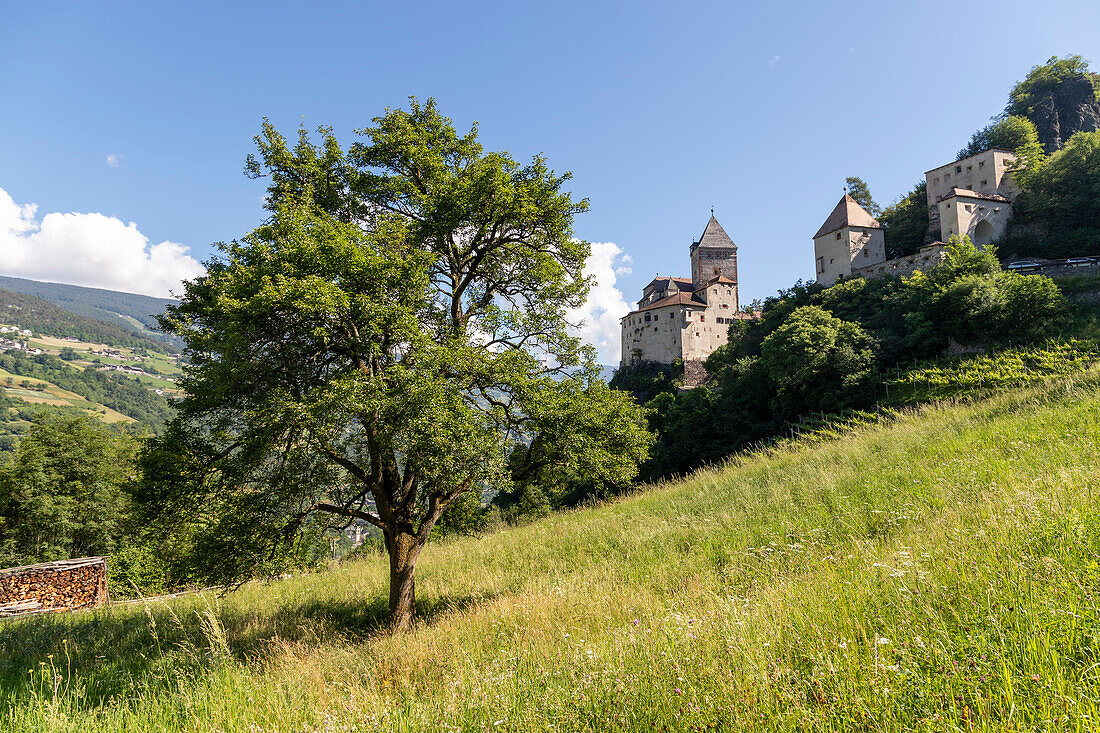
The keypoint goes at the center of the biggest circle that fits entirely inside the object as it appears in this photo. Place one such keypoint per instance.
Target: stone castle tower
(682, 320)
(714, 255)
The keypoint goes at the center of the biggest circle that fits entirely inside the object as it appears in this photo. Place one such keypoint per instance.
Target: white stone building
(687, 319)
(970, 197)
(849, 239)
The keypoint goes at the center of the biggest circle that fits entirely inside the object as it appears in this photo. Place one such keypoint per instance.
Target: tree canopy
(906, 222)
(858, 189)
(1058, 212)
(1011, 133)
(393, 337)
(62, 493)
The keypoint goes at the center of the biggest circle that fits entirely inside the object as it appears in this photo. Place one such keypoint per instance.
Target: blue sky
(143, 113)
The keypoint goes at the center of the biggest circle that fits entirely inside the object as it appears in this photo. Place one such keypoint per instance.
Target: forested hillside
(129, 311)
(42, 316)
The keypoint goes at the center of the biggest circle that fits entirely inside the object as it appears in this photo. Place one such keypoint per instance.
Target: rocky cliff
(1068, 107)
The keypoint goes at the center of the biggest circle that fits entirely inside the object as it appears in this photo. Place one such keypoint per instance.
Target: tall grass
(937, 572)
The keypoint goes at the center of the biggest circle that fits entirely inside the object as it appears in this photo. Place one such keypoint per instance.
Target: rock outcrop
(1069, 107)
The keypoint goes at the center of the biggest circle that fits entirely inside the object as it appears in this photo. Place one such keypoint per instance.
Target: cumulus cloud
(89, 249)
(774, 60)
(598, 319)
(115, 159)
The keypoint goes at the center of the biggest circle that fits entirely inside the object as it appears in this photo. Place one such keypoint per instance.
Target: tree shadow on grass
(144, 648)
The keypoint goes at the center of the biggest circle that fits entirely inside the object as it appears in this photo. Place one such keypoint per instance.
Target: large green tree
(62, 493)
(393, 337)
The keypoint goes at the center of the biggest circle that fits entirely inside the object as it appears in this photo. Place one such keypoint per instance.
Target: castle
(686, 319)
(971, 197)
(682, 319)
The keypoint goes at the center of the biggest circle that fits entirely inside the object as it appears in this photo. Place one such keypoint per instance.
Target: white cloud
(89, 249)
(598, 318)
(775, 60)
(115, 159)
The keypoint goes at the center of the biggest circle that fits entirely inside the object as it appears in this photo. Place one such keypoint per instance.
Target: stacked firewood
(53, 586)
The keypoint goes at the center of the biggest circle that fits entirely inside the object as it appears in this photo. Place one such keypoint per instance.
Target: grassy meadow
(938, 571)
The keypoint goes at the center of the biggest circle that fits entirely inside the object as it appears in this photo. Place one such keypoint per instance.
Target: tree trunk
(403, 551)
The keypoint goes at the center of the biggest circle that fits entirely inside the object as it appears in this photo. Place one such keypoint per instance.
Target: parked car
(1024, 265)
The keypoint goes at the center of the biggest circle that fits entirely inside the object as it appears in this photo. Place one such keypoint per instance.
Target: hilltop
(928, 571)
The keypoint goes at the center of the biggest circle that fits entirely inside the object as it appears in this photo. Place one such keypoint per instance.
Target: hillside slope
(130, 311)
(42, 316)
(937, 572)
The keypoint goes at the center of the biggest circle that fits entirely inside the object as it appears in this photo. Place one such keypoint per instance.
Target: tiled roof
(677, 299)
(847, 214)
(683, 283)
(714, 236)
(721, 280)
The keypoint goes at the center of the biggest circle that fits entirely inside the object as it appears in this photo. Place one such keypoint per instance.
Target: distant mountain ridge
(136, 313)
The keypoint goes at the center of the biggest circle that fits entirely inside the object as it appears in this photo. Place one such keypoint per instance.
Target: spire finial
(712, 211)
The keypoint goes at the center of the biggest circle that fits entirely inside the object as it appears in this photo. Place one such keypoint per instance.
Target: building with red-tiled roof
(682, 318)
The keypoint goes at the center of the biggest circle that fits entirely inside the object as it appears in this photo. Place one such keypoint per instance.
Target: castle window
(865, 252)
(985, 183)
(958, 169)
(702, 317)
(935, 181)
(821, 264)
(969, 168)
(838, 235)
(647, 318)
(981, 164)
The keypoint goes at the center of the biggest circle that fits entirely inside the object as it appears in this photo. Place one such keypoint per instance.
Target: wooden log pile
(63, 585)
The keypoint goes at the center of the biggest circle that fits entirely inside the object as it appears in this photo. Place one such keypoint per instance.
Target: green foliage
(906, 222)
(1058, 212)
(645, 380)
(932, 572)
(61, 494)
(859, 190)
(128, 396)
(1043, 79)
(1009, 368)
(1011, 133)
(822, 350)
(392, 338)
(137, 570)
(816, 361)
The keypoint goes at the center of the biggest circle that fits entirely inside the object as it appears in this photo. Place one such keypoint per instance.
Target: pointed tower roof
(847, 214)
(714, 236)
